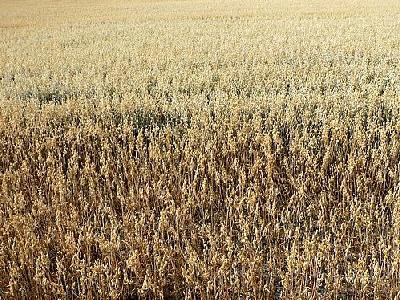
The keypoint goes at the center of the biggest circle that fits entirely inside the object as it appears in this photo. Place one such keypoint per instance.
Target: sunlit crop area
(199, 149)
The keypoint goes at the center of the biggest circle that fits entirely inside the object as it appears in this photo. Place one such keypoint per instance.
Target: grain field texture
(200, 149)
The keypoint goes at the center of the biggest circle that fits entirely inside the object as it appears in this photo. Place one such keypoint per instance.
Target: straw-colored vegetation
(199, 149)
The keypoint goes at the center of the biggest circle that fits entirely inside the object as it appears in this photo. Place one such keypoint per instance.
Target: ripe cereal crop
(200, 149)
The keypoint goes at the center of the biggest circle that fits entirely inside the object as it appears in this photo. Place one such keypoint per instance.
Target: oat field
(200, 149)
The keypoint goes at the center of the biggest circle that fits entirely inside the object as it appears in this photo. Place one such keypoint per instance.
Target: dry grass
(199, 149)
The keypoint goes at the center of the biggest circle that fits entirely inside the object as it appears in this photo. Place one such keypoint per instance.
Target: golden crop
(199, 149)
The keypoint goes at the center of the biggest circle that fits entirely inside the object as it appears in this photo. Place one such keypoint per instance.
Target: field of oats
(199, 149)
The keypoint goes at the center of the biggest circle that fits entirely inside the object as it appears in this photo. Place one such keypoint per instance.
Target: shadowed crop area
(199, 149)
